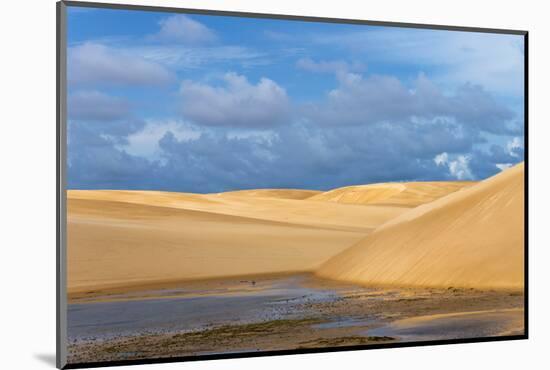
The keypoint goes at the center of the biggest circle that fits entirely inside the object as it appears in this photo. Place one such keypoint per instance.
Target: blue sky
(204, 103)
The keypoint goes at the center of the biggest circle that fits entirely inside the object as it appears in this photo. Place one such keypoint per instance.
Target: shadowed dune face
(470, 238)
(408, 194)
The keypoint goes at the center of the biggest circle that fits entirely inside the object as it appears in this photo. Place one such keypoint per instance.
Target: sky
(203, 103)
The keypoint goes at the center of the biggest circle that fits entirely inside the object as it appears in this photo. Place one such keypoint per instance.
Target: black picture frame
(61, 125)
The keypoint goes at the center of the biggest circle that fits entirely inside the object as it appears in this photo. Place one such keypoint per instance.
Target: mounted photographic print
(235, 184)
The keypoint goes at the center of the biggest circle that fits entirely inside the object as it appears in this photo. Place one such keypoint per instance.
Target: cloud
(441, 159)
(94, 162)
(333, 66)
(145, 142)
(237, 134)
(362, 100)
(96, 106)
(183, 29)
(514, 146)
(95, 64)
(236, 104)
(504, 166)
(485, 163)
(494, 61)
(193, 57)
(175, 155)
(458, 168)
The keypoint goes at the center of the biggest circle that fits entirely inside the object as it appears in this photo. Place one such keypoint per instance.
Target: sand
(137, 238)
(303, 212)
(470, 238)
(406, 194)
(115, 243)
(470, 235)
(275, 193)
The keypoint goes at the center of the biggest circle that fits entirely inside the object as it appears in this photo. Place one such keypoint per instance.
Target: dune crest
(406, 194)
(320, 214)
(297, 194)
(470, 238)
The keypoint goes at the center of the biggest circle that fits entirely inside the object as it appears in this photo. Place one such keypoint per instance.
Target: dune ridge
(406, 194)
(321, 214)
(297, 194)
(469, 238)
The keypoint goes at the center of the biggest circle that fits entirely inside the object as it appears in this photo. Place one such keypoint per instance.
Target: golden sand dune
(471, 238)
(274, 193)
(406, 194)
(120, 244)
(134, 237)
(303, 212)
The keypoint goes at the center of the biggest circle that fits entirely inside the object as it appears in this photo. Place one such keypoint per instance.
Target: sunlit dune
(470, 238)
(274, 193)
(406, 194)
(116, 243)
(303, 212)
(121, 238)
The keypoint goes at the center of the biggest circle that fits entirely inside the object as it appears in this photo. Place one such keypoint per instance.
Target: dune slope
(114, 244)
(274, 193)
(470, 238)
(406, 194)
(303, 212)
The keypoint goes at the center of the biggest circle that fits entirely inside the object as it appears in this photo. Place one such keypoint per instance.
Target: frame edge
(61, 142)
(227, 13)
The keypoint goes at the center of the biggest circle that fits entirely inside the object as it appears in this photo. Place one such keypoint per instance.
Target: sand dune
(303, 212)
(471, 238)
(274, 193)
(407, 194)
(118, 244)
(121, 238)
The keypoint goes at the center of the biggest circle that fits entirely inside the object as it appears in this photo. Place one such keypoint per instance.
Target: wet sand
(277, 312)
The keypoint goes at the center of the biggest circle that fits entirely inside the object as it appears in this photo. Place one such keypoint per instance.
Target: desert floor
(279, 312)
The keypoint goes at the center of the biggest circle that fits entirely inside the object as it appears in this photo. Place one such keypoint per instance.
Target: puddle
(267, 300)
(236, 302)
(453, 326)
(342, 323)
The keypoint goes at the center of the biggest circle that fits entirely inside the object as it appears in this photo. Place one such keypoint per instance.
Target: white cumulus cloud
(183, 29)
(441, 159)
(145, 142)
(238, 103)
(458, 168)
